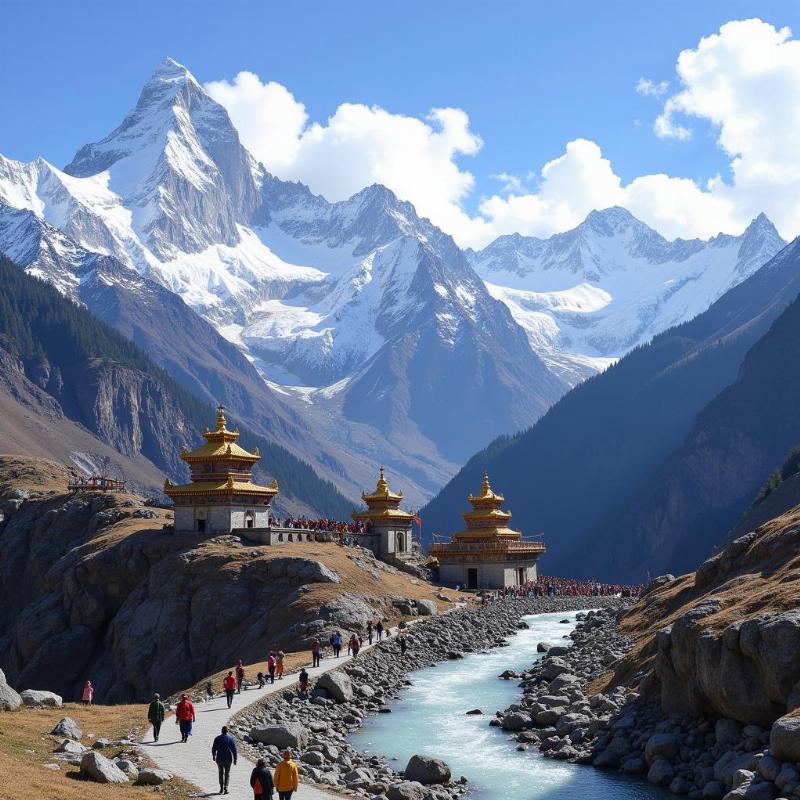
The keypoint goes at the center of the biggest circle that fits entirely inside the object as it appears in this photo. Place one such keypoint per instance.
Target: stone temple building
(388, 532)
(487, 554)
(221, 496)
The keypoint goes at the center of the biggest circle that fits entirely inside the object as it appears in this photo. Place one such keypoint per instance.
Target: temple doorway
(472, 578)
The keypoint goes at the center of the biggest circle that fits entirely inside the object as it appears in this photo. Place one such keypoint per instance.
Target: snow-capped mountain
(587, 296)
(371, 326)
(368, 320)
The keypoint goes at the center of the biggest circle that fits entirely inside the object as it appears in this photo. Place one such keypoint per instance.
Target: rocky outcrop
(92, 586)
(9, 699)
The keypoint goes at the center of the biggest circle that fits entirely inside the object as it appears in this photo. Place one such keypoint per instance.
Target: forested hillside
(69, 353)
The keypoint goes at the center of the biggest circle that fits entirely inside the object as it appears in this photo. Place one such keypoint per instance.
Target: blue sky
(532, 76)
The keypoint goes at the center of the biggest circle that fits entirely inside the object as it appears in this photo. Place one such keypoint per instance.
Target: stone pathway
(192, 761)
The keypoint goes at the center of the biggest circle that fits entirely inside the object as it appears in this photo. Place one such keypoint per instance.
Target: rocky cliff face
(92, 586)
(725, 640)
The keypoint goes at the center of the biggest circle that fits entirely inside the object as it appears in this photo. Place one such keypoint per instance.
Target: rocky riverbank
(318, 724)
(693, 755)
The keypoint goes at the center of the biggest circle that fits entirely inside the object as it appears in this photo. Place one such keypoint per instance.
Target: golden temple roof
(486, 520)
(382, 503)
(382, 491)
(219, 488)
(220, 444)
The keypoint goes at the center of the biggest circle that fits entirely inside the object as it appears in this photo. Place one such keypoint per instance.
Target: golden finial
(228, 450)
(167, 484)
(486, 488)
(230, 482)
(221, 417)
(257, 452)
(275, 484)
(382, 486)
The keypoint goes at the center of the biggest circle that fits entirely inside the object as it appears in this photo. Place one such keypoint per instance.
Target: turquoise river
(430, 717)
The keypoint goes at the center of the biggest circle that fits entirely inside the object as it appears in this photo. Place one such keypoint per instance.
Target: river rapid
(430, 717)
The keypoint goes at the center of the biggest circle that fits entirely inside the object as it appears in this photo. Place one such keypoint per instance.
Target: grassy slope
(25, 746)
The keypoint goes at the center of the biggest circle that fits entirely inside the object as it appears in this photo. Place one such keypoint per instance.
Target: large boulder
(9, 699)
(516, 721)
(427, 770)
(100, 769)
(426, 608)
(661, 745)
(154, 777)
(36, 698)
(292, 734)
(784, 738)
(67, 727)
(338, 685)
(406, 790)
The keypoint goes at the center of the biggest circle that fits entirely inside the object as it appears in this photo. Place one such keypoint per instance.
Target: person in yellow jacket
(286, 777)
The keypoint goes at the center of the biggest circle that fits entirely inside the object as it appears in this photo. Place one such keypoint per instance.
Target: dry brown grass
(25, 746)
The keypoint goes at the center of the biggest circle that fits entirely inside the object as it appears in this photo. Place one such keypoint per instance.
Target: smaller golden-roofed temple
(221, 496)
(388, 532)
(487, 554)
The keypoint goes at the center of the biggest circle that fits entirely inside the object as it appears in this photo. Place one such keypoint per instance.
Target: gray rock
(128, 767)
(516, 721)
(154, 777)
(713, 789)
(727, 731)
(101, 744)
(72, 747)
(542, 647)
(35, 698)
(728, 763)
(742, 777)
(338, 685)
(427, 770)
(661, 745)
(784, 738)
(661, 772)
(100, 769)
(289, 735)
(67, 727)
(426, 608)
(313, 757)
(760, 791)
(406, 790)
(9, 699)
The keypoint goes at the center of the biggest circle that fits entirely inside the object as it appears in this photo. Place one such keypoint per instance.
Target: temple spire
(221, 421)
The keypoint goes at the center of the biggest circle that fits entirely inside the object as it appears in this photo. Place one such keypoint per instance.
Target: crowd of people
(546, 586)
(322, 524)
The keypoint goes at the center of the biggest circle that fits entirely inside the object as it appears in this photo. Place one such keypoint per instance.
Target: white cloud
(743, 81)
(359, 145)
(648, 88)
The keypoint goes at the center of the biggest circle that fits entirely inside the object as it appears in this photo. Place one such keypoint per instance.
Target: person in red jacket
(239, 676)
(271, 664)
(355, 645)
(185, 716)
(229, 685)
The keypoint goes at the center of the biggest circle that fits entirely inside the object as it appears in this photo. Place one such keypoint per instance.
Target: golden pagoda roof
(382, 503)
(487, 495)
(219, 488)
(382, 492)
(486, 520)
(220, 444)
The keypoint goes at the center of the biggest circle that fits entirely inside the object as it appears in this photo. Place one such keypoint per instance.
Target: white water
(430, 717)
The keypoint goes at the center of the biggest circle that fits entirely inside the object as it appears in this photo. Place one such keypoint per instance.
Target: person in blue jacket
(223, 751)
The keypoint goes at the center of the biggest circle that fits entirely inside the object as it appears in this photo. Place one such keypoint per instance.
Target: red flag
(418, 519)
